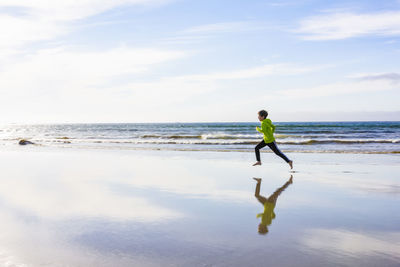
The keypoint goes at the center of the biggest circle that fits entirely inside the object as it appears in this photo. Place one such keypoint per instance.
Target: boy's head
(262, 229)
(262, 115)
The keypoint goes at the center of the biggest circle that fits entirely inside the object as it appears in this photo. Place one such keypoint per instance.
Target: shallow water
(331, 137)
(142, 208)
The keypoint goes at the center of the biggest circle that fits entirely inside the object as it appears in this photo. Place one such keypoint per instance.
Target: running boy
(268, 129)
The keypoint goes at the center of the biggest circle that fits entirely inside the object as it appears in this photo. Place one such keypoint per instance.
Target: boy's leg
(276, 150)
(257, 149)
(274, 197)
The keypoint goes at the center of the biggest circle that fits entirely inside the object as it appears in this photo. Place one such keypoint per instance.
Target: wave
(229, 136)
(255, 138)
(227, 141)
(181, 142)
(146, 136)
(215, 139)
(339, 141)
(202, 136)
(194, 140)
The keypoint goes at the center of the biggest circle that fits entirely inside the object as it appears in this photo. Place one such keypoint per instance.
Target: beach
(113, 207)
(147, 133)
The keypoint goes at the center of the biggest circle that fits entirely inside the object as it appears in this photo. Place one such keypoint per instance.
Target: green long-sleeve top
(268, 129)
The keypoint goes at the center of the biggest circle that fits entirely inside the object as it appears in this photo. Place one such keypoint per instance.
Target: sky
(69, 61)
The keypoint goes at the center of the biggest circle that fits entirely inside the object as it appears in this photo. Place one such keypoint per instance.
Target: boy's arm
(273, 127)
(260, 198)
(269, 124)
(264, 126)
(262, 130)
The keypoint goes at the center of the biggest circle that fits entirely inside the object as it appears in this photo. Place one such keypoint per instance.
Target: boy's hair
(263, 113)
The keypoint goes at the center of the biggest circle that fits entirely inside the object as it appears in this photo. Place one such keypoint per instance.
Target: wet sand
(64, 207)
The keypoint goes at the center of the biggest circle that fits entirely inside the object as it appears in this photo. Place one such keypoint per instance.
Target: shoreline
(115, 148)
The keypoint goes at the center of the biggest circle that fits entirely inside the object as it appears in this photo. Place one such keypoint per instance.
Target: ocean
(321, 137)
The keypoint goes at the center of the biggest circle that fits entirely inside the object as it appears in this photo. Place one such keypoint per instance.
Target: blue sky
(189, 61)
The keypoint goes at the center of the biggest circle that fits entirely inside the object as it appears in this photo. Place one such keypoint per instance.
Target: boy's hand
(258, 129)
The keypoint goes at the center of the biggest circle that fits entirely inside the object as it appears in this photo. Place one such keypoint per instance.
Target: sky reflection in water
(122, 208)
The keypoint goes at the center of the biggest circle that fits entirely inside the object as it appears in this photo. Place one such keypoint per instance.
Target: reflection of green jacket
(268, 215)
(268, 129)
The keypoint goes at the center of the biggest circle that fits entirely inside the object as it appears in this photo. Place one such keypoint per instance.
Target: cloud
(342, 88)
(64, 70)
(17, 31)
(45, 19)
(52, 81)
(81, 191)
(336, 26)
(180, 88)
(224, 27)
(68, 10)
(76, 202)
(201, 32)
(344, 242)
(116, 83)
(260, 71)
(358, 184)
(282, 3)
(391, 76)
(37, 74)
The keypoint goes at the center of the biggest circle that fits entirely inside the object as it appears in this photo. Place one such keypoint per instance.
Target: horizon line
(171, 122)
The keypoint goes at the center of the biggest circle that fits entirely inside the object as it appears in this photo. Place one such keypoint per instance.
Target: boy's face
(260, 118)
(262, 229)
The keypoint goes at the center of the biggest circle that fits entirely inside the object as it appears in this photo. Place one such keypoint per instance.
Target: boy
(268, 129)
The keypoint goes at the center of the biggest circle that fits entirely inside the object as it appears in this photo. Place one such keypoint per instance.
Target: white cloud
(50, 81)
(223, 27)
(75, 201)
(388, 76)
(201, 32)
(81, 191)
(65, 84)
(338, 241)
(45, 19)
(357, 184)
(68, 10)
(33, 77)
(65, 71)
(260, 71)
(335, 26)
(17, 31)
(281, 3)
(341, 88)
(170, 90)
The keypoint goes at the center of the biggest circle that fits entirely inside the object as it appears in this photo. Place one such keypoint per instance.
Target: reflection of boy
(269, 205)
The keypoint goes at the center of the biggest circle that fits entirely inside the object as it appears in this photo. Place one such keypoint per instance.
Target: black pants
(273, 147)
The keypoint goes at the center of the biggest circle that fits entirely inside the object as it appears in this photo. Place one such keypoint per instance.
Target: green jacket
(268, 129)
